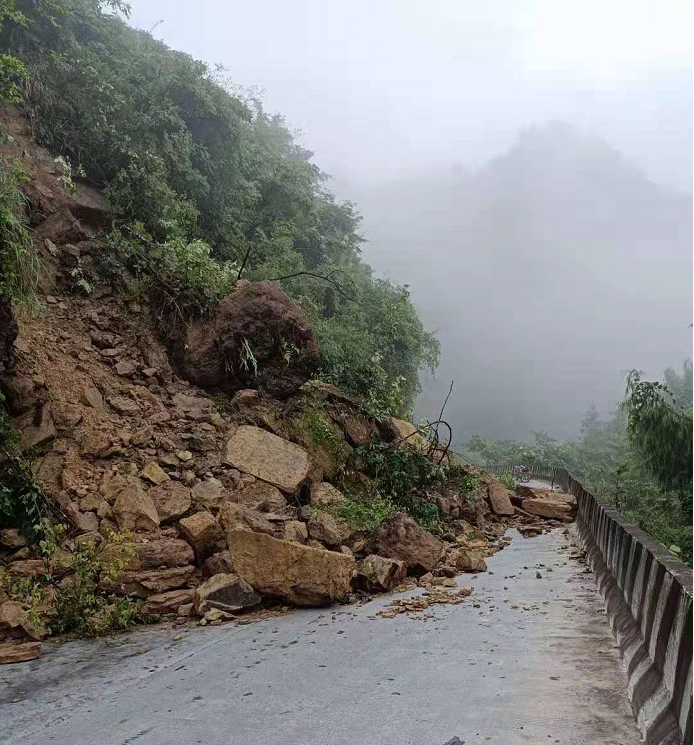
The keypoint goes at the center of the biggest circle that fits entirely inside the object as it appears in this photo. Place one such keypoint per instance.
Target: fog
(524, 165)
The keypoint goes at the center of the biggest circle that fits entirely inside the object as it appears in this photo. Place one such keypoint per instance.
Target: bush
(401, 476)
(19, 264)
(507, 480)
(79, 606)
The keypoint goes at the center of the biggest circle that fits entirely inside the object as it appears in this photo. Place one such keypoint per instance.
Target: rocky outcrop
(283, 569)
(268, 457)
(244, 344)
(399, 537)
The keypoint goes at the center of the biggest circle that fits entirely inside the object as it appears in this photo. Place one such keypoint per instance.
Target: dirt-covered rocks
(379, 574)
(257, 338)
(287, 570)
(268, 457)
(399, 537)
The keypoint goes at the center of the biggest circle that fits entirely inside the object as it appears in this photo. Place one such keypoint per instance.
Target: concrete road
(523, 660)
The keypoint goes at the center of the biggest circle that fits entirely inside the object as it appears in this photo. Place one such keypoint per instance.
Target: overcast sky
(380, 85)
(549, 272)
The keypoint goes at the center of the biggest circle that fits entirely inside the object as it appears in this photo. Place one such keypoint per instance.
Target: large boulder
(467, 560)
(378, 574)
(548, 508)
(500, 500)
(287, 570)
(258, 338)
(225, 592)
(268, 457)
(399, 537)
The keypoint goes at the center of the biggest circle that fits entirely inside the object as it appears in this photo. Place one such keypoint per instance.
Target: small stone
(184, 455)
(209, 493)
(12, 538)
(124, 406)
(154, 473)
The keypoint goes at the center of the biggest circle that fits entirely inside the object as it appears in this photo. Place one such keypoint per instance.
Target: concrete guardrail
(648, 598)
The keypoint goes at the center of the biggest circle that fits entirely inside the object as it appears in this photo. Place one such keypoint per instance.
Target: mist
(525, 167)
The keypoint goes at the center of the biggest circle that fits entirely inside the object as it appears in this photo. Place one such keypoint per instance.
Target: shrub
(79, 605)
(507, 480)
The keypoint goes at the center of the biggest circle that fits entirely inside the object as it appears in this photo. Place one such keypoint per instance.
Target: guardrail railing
(647, 592)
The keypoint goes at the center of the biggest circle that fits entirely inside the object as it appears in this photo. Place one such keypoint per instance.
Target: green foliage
(22, 503)
(19, 265)
(12, 71)
(401, 476)
(80, 606)
(507, 480)
(661, 430)
(204, 181)
(365, 514)
(639, 459)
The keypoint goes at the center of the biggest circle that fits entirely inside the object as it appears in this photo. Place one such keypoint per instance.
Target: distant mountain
(548, 273)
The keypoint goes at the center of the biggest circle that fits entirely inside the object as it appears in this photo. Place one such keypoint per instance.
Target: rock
(126, 368)
(234, 515)
(252, 318)
(325, 495)
(153, 472)
(134, 509)
(35, 427)
(144, 583)
(203, 533)
(26, 567)
(358, 431)
(91, 396)
(331, 530)
(378, 574)
(12, 538)
(95, 444)
(226, 592)
(184, 610)
(500, 500)
(260, 496)
(548, 508)
(167, 602)
(268, 457)
(124, 406)
(399, 537)
(406, 433)
(86, 522)
(210, 493)
(191, 406)
(171, 499)
(288, 570)
(164, 552)
(219, 563)
(19, 652)
(184, 455)
(12, 614)
(295, 530)
(467, 560)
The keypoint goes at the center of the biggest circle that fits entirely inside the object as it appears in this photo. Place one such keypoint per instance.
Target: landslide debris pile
(144, 497)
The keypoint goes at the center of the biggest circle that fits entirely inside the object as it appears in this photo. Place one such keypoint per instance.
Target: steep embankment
(133, 495)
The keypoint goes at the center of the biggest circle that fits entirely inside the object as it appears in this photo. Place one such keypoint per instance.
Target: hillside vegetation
(205, 187)
(639, 458)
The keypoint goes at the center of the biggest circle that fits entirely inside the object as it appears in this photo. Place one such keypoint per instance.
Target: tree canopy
(198, 173)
